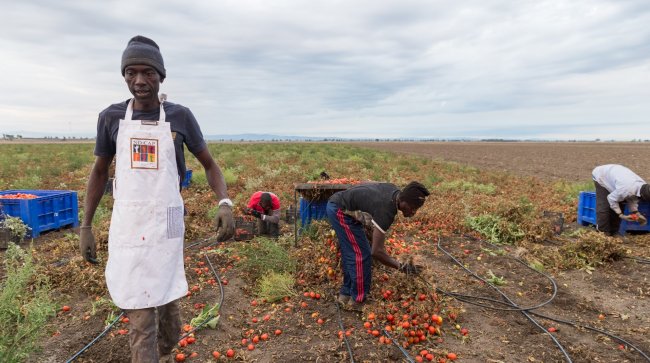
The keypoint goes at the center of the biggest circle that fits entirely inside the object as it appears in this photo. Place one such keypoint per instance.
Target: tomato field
(535, 296)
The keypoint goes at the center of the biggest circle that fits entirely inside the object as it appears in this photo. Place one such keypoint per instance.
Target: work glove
(409, 268)
(87, 244)
(361, 217)
(224, 223)
(638, 217)
(627, 218)
(254, 213)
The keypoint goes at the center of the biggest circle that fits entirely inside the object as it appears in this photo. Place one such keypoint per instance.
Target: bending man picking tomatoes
(265, 206)
(616, 184)
(375, 205)
(145, 273)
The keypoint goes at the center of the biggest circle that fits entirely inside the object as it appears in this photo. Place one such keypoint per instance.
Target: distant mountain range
(263, 137)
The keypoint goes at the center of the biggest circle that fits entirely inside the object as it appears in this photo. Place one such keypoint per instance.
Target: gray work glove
(87, 244)
(224, 223)
(409, 268)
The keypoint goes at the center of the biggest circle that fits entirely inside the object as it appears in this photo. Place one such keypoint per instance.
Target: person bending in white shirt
(616, 184)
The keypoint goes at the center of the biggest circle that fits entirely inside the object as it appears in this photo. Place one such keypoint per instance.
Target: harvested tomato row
(18, 196)
(336, 181)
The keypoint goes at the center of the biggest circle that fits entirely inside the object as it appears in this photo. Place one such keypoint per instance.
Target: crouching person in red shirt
(265, 206)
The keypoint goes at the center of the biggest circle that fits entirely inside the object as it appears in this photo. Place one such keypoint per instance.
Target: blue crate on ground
(644, 208)
(51, 209)
(587, 213)
(188, 179)
(587, 208)
(310, 210)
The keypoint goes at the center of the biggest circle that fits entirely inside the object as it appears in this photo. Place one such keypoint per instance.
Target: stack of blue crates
(51, 209)
(310, 210)
(587, 213)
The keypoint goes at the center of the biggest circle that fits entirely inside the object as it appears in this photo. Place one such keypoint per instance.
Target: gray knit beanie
(143, 51)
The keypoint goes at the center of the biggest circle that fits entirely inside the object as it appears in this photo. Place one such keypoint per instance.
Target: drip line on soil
(220, 301)
(467, 298)
(97, 338)
(347, 343)
(511, 303)
(639, 259)
(406, 354)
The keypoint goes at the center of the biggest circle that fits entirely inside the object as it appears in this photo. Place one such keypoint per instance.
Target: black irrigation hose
(406, 354)
(95, 340)
(347, 343)
(526, 314)
(80, 352)
(639, 259)
(574, 324)
(621, 340)
(617, 338)
(220, 302)
(465, 298)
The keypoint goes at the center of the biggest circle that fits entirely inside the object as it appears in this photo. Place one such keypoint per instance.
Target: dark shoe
(354, 306)
(343, 299)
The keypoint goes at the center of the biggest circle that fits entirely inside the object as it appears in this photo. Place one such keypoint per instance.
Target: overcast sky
(473, 68)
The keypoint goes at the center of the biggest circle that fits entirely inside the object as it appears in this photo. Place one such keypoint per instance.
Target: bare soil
(572, 161)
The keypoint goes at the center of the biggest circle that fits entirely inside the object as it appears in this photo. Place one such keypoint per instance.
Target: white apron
(145, 240)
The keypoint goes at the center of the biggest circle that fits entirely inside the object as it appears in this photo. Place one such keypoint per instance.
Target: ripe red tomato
(180, 357)
(230, 353)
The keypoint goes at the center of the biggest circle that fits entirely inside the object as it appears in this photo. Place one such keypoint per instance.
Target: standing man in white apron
(145, 273)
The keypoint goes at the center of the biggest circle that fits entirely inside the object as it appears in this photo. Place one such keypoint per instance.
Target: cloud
(334, 68)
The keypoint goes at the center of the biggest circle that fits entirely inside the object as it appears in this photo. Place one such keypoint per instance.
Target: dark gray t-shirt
(184, 128)
(378, 199)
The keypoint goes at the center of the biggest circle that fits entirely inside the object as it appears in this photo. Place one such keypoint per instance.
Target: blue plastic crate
(188, 179)
(51, 209)
(310, 210)
(587, 208)
(587, 213)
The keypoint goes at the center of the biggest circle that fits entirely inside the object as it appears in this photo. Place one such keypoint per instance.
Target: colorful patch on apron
(144, 154)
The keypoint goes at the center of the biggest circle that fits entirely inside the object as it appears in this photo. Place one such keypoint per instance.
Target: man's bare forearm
(95, 190)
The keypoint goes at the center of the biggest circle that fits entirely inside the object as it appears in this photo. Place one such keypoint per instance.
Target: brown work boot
(354, 306)
(343, 299)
